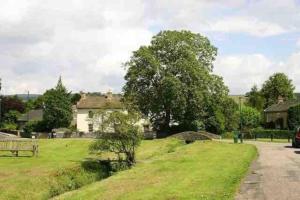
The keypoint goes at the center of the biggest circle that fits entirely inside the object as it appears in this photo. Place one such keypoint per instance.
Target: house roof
(112, 101)
(32, 115)
(282, 107)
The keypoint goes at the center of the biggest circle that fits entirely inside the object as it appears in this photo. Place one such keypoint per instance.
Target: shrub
(9, 126)
(266, 133)
(73, 178)
(250, 117)
(228, 135)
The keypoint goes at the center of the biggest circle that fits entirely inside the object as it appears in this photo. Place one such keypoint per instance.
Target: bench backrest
(17, 144)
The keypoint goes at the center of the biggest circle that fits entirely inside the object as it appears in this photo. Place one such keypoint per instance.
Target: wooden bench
(15, 145)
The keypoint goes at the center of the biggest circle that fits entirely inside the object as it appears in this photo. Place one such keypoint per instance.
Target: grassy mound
(212, 170)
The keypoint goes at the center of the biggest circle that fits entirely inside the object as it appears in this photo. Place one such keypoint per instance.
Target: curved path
(275, 175)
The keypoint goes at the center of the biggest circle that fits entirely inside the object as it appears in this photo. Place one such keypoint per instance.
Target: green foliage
(75, 98)
(11, 103)
(122, 139)
(68, 179)
(33, 126)
(266, 133)
(294, 117)
(228, 135)
(277, 85)
(11, 116)
(250, 117)
(57, 107)
(255, 99)
(171, 81)
(9, 126)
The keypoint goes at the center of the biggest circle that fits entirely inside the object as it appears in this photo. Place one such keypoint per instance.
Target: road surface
(275, 175)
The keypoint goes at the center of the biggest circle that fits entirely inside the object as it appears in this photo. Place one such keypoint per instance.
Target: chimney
(83, 95)
(280, 99)
(109, 95)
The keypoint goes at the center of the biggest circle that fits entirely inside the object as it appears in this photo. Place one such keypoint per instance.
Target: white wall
(83, 120)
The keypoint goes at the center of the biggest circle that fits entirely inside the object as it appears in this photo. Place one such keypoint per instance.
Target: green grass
(210, 170)
(59, 161)
(29, 177)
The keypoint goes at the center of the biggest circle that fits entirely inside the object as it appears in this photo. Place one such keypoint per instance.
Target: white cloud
(248, 25)
(241, 72)
(87, 41)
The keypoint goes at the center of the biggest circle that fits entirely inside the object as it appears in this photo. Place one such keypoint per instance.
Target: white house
(89, 107)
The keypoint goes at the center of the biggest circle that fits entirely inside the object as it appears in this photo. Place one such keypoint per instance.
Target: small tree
(250, 117)
(122, 136)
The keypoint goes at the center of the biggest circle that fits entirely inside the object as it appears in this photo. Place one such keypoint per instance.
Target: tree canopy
(277, 85)
(57, 107)
(255, 99)
(171, 80)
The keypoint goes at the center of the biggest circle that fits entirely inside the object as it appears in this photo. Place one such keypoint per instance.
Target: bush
(9, 126)
(294, 117)
(73, 178)
(228, 135)
(33, 126)
(264, 133)
(250, 117)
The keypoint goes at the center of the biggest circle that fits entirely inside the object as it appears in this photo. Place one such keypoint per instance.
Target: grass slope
(30, 178)
(209, 170)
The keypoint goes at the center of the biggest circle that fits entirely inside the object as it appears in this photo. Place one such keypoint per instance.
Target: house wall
(83, 119)
(273, 116)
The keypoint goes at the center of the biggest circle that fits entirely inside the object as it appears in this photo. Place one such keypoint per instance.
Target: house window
(91, 114)
(91, 128)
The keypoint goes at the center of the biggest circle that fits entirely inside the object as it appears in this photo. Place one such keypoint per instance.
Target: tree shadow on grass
(13, 156)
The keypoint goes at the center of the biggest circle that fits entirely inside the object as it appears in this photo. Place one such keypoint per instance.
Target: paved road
(274, 176)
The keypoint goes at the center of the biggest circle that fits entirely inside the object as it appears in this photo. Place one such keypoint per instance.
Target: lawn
(32, 177)
(210, 170)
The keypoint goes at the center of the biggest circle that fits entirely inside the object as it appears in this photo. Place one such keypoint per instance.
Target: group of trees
(56, 104)
(277, 85)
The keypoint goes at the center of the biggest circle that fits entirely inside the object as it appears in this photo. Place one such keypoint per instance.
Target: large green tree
(57, 107)
(277, 85)
(171, 80)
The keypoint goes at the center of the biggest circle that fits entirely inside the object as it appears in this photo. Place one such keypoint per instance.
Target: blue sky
(86, 42)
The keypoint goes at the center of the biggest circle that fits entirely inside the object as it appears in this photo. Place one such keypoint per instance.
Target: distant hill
(24, 97)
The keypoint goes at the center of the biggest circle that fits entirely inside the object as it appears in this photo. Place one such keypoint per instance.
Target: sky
(87, 42)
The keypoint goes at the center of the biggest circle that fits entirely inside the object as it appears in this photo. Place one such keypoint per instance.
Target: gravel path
(275, 175)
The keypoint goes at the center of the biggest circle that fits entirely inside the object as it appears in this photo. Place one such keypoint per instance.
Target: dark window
(91, 127)
(91, 114)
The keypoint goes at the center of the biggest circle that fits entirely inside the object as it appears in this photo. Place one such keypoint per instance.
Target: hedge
(267, 133)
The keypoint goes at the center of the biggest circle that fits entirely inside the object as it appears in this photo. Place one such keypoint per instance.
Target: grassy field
(210, 170)
(33, 178)
(29, 177)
